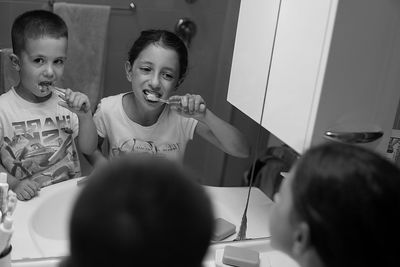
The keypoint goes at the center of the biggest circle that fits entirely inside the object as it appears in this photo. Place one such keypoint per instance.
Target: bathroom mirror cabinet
(319, 68)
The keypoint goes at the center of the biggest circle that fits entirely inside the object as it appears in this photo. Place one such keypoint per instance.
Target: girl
(339, 207)
(139, 122)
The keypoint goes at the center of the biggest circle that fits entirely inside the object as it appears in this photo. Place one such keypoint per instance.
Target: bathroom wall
(208, 74)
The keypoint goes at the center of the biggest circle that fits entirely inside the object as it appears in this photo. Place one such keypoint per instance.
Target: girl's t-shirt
(168, 137)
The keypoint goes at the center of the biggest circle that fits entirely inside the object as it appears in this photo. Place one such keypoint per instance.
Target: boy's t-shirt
(37, 139)
(166, 138)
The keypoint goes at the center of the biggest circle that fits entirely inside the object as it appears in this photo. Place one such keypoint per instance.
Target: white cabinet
(252, 55)
(335, 65)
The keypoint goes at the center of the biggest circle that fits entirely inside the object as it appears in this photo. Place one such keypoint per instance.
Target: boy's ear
(15, 62)
(128, 70)
(180, 81)
(301, 242)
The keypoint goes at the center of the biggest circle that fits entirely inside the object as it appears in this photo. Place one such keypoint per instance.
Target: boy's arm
(97, 156)
(25, 189)
(11, 180)
(223, 135)
(79, 103)
(87, 138)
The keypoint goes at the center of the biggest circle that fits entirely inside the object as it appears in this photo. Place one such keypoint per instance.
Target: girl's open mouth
(151, 96)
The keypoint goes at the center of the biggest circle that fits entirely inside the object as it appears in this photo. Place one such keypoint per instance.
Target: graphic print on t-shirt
(169, 150)
(42, 150)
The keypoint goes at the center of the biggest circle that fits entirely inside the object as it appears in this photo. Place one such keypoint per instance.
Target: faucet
(186, 30)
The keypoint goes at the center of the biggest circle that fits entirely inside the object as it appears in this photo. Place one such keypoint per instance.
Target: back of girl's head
(350, 198)
(165, 39)
(140, 212)
(36, 24)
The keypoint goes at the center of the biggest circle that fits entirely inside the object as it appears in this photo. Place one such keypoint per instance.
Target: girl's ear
(301, 242)
(128, 70)
(15, 62)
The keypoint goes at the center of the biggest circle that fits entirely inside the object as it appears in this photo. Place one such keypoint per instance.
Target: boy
(140, 211)
(37, 128)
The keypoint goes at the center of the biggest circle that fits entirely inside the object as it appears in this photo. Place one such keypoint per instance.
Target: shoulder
(7, 95)
(7, 99)
(108, 107)
(110, 101)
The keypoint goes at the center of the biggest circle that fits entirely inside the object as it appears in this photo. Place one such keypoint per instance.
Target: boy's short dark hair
(36, 24)
(140, 211)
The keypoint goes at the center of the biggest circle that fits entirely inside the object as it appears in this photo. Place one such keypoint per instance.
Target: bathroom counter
(41, 224)
(229, 204)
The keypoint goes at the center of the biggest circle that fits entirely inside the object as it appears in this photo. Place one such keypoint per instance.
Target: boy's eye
(145, 69)
(38, 60)
(59, 62)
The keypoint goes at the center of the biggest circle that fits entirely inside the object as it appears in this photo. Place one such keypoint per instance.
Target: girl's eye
(168, 76)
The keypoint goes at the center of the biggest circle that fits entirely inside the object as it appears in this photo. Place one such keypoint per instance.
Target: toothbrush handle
(172, 102)
(60, 91)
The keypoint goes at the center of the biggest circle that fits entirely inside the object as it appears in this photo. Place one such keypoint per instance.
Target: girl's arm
(222, 135)
(215, 130)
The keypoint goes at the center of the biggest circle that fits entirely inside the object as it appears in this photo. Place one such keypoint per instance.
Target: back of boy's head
(140, 212)
(36, 24)
(350, 198)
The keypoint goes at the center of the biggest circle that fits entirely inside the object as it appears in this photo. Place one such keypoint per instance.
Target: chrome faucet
(186, 30)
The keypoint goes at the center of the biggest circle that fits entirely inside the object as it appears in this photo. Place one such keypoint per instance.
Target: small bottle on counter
(3, 192)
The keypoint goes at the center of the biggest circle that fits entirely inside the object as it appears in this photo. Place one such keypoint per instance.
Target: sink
(41, 224)
(51, 219)
(49, 222)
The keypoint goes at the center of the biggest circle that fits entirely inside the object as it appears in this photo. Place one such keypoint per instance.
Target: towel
(8, 75)
(87, 37)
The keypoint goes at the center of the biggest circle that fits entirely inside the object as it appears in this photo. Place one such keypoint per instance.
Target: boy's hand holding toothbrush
(76, 102)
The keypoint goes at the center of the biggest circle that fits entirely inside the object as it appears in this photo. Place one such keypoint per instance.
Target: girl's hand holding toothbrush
(190, 105)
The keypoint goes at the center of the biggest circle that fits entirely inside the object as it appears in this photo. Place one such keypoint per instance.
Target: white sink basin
(41, 224)
(51, 219)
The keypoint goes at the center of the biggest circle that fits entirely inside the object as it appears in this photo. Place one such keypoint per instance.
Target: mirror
(210, 57)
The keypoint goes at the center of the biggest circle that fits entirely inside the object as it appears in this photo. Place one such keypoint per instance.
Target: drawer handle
(353, 137)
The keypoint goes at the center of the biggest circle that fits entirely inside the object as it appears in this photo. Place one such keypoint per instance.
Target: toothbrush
(154, 98)
(59, 91)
